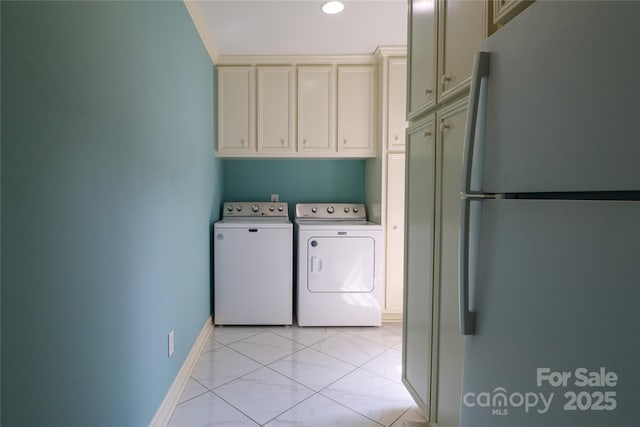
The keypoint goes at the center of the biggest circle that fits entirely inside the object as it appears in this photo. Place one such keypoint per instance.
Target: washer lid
(257, 222)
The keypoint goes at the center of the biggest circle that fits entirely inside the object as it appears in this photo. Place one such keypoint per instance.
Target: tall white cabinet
(385, 174)
(434, 347)
(443, 37)
(419, 261)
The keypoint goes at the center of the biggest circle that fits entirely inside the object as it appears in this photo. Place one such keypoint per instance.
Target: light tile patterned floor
(292, 376)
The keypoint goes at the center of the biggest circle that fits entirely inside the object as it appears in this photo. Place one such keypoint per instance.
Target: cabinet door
(328, 258)
(448, 342)
(422, 57)
(316, 109)
(397, 104)
(235, 109)
(461, 30)
(419, 241)
(355, 109)
(505, 10)
(395, 232)
(275, 109)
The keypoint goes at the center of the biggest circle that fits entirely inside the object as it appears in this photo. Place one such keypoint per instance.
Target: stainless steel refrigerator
(550, 230)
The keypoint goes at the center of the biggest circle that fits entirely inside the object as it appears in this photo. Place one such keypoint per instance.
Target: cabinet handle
(444, 126)
(428, 91)
(427, 132)
(304, 142)
(396, 138)
(395, 227)
(344, 142)
(243, 142)
(283, 142)
(445, 79)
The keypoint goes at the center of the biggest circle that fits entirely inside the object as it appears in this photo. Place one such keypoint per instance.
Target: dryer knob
(230, 208)
(280, 208)
(314, 209)
(239, 208)
(255, 208)
(330, 209)
(346, 210)
(355, 209)
(271, 208)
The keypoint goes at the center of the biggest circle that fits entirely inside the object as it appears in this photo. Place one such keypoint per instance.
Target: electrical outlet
(171, 343)
(275, 198)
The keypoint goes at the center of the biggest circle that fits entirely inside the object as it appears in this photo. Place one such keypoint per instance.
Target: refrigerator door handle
(467, 317)
(480, 70)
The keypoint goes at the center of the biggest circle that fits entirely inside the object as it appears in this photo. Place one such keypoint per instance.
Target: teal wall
(109, 187)
(295, 180)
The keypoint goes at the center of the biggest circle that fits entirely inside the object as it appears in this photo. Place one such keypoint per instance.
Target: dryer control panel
(336, 211)
(255, 209)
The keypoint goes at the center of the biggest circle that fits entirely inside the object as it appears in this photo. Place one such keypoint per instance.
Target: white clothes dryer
(338, 266)
(253, 265)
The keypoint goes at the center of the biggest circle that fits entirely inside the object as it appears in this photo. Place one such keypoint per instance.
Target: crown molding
(205, 36)
(390, 51)
(294, 59)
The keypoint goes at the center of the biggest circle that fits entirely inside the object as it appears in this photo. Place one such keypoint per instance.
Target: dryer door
(340, 264)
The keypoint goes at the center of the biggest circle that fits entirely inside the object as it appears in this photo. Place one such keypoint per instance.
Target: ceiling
(298, 27)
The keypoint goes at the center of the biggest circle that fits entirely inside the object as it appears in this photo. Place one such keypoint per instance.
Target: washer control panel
(255, 209)
(338, 211)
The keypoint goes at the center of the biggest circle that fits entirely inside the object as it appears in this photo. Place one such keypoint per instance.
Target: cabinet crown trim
(294, 59)
(390, 51)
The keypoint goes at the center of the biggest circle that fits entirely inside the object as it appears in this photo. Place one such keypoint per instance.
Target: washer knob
(330, 209)
(271, 208)
(355, 209)
(280, 208)
(346, 210)
(255, 208)
(239, 208)
(314, 209)
(230, 208)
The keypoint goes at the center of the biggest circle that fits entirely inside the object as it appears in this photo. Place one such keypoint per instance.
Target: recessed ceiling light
(332, 7)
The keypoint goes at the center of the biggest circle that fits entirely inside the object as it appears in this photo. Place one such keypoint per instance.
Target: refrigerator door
(559, 109)
(555, 292)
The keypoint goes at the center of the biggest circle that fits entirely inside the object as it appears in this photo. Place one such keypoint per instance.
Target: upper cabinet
(505, 10)
(304, 107)
(276, 114)
(235, 110)
(422, 54)
(355, 109)
(397, 118)
(315, 109)
(443, 36)
(461, 29)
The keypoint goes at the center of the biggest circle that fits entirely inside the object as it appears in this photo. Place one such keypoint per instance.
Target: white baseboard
(170, 401)
(391, 317)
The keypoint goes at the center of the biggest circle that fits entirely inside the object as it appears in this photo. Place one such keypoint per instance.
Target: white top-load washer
(338, 262)
(253, 265)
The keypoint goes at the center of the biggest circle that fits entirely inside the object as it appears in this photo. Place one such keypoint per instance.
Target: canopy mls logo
(500, 401)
